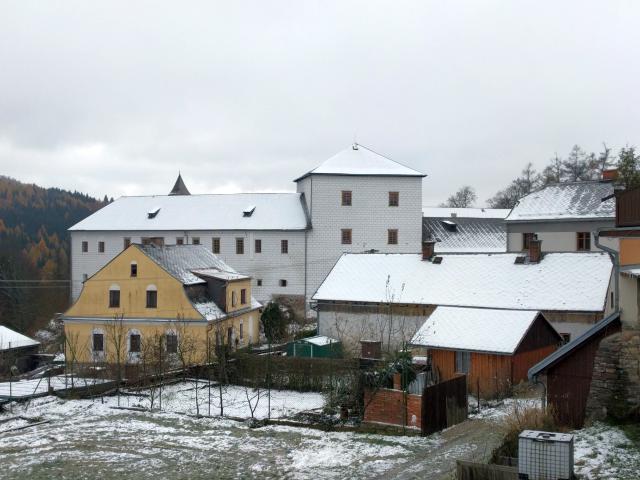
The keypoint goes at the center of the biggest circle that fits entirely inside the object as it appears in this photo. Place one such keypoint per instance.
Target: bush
(525, 418)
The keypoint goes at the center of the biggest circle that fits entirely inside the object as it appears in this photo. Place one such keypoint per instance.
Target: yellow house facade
(176, 302)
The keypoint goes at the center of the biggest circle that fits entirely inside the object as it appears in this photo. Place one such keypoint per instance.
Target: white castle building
(356, 201)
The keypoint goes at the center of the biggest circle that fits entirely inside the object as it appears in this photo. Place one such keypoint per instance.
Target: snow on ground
(604, 451)
(89, 439)
(38, 386)
(500, 409)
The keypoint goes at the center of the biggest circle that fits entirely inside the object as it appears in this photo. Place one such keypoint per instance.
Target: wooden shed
(569, 371)
(315, 347)
(494, 348)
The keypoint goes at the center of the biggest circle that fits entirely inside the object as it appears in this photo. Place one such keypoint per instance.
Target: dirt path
(470, 440)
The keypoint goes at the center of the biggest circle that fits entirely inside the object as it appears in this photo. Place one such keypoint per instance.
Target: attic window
(153, 212)
(519, 260)
(247, 212)
(449, 225)
(437, 260)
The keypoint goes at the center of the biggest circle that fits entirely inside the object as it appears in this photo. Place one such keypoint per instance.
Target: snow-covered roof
(10, 339)
(561, 281)
(447, 212)
(359, 160)
(221, 275)
(209, 310)
(273, 211)
(566, 201)
(475, 329)
(466, 235)
(320, 340)
(181, 260)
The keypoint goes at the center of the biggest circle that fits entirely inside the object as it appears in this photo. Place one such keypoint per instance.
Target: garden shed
(494, 348)
(315, 347)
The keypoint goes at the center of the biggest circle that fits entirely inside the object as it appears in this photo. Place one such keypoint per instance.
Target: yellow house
(179, 300)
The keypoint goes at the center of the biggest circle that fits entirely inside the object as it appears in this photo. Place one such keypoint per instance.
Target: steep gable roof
(360, 160)
(560, 282)
(475, 329)
(272, 211)
(566, 201)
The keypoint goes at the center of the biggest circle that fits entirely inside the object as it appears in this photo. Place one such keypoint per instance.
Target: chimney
(610, 175)
(428, 247)
(535, 250)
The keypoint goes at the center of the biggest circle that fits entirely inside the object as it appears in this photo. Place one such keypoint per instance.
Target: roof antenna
(355, 141)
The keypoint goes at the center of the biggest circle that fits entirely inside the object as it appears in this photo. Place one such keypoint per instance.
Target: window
(180, 241)
(243, 296)
(195, 240)
(283, 282)
(284, 246)
(259, 282)
(239, 246)
(172, 343)
(114, 297)
(134, 343)
(134, 269)
(392, 237)
(85, 247)
(584, 241)
(611, 298)
(152, 297)
(98, 342)
(215, 245)
(241, 331)
(463, 360)
(258, 246)
(233, 298)
(126, 242)
(100, 247)
(526, 239)
(229, 335)
(394, 199)
(346, 198)
(346, 236)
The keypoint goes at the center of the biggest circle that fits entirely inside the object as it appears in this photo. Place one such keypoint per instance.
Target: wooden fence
(483, 471)
(444, 404)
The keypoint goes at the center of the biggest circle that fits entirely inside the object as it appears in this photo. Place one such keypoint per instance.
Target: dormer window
(247, 212)
(153, 213)
(449, 225)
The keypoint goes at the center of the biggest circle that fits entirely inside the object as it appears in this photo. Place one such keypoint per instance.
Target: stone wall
(615, 384)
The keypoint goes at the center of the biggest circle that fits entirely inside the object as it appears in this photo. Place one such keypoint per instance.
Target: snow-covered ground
(90, 439)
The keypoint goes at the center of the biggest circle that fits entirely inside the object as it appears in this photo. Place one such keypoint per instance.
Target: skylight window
(247, 212)
(153, 212)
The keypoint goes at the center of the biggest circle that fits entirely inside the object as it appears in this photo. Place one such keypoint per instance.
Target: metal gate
(444, 404)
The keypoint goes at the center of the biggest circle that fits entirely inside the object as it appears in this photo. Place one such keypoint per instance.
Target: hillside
(34, 250)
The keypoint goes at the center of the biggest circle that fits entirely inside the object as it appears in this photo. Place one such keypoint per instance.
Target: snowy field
(90, 439)
(94, 439)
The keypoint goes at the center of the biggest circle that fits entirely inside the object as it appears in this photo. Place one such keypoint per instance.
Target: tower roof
(359, 160)
(179, 188)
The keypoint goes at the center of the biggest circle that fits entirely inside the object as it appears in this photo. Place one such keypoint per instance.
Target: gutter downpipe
(615, 259)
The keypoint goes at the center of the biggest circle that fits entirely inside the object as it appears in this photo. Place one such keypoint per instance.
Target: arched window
(152, 296)
(114, 296)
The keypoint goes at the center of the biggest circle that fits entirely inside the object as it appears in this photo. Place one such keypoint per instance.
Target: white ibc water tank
(545, 455)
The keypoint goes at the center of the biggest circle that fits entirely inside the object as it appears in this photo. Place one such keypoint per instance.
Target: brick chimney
(428, 247)
(610, 174)
(535, 250)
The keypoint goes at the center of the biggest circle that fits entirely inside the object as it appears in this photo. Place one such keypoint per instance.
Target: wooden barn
(569, 372)
(494, 348)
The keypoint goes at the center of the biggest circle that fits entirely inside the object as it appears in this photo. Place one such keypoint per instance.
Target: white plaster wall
(369, 217)
(270, 265)
(629, 301)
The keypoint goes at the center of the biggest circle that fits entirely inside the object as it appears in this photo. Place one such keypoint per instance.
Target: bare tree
(188, 354)
(116, 332)
(465, 197)
(151, 359)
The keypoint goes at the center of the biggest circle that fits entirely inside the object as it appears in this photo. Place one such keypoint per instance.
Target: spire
(179, 188)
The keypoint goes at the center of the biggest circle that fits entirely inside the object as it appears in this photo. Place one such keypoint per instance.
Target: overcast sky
(114, 98)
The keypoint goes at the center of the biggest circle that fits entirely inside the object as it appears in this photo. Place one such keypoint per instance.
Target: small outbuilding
(494, 348)
(315, 347)
(16, 349)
